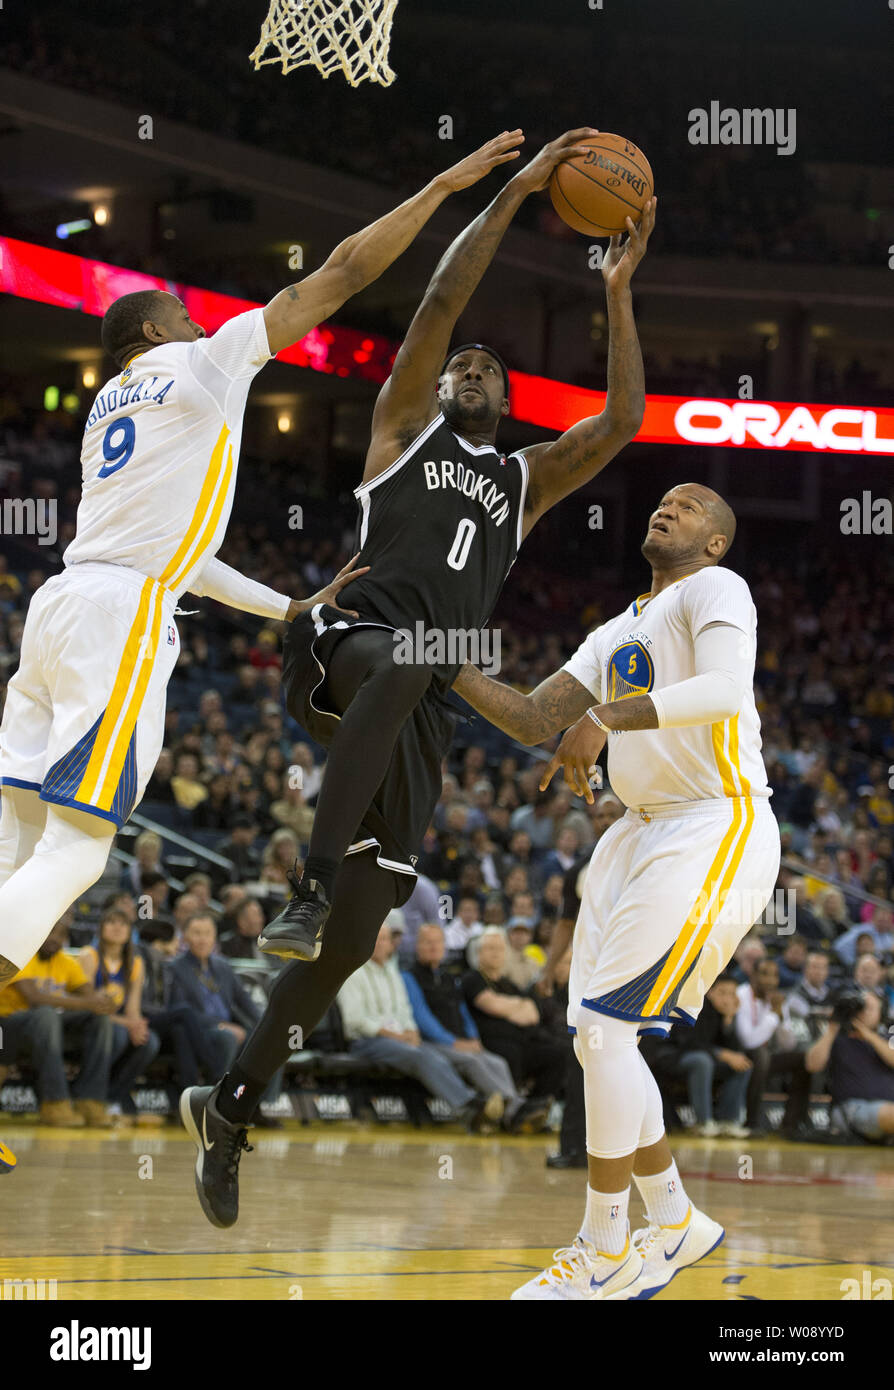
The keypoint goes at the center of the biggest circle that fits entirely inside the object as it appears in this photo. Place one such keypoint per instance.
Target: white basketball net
(331, 35)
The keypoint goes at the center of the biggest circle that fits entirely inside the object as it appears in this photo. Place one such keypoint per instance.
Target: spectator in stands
(231, 895)
(178, 1026)
(443, 1019)
(830, 912)
(423, 905)
(311, 776)
(279, 857)
(861, 1071)
(749, 952)
(216, 811)
(186, 785)
(559, 860)
(521, 967)
(792, 961)
(212, 988)
(290, 809)
(710, 1053)
(147, 859)
(199, 885)
(758, 1021)
(186, 906)
(809, 925)
(117, 969)
(464, 927)
(379, 1025)
(242, 942)
(508, 1020)
(241, 848)
(537, 821)
(154, 893)
(808, 999)
(869, 974)
(861, 940)
(49, 1005)
(159, 787)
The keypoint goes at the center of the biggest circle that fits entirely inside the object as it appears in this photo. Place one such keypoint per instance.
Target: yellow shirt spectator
(61, 971)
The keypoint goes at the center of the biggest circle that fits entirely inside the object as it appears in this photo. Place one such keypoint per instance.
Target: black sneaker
(570, 1160)
(220, 1145)
(297, 933)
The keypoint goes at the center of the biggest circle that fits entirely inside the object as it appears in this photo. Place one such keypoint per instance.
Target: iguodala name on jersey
(117, 397)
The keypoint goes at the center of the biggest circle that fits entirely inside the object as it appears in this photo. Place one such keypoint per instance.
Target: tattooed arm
(408, 401)
(565, 464)
(363, 257)
(555, 704)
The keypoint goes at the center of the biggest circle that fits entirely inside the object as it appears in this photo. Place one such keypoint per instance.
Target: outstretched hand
(538, 173)
(330, 593)
(476, 166)
(621, 260)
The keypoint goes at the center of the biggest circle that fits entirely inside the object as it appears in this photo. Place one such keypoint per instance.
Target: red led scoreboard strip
(73, 282)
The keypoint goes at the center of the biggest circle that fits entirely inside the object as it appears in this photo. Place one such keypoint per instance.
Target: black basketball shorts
(402, 808)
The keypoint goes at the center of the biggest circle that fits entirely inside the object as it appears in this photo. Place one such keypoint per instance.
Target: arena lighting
(284, 423)
(67, 229)
(88, 378)
(101, 215)
(74, 282)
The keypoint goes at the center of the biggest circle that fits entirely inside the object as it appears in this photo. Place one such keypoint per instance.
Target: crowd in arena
(457, 995)
(741, 202)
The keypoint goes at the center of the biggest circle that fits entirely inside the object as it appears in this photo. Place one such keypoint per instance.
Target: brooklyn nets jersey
(440, 529)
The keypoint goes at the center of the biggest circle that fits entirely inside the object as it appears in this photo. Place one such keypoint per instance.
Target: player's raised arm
(363, 257)
(557, 702)
(568, 462)
(407, 401)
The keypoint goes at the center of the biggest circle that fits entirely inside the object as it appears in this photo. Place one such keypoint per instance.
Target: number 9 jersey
(160, 453)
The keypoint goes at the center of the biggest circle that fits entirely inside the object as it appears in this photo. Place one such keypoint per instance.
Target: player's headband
(481, 347)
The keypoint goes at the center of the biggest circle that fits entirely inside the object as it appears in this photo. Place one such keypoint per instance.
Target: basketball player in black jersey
(442, 514)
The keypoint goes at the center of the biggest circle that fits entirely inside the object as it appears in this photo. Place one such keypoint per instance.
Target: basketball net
(351, 35)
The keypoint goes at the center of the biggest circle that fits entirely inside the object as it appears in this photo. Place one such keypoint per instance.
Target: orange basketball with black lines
(596, 191)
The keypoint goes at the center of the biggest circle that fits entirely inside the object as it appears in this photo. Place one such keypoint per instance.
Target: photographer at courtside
(860, 1062)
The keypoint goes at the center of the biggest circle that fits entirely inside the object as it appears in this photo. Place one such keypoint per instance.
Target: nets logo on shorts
(630, 671)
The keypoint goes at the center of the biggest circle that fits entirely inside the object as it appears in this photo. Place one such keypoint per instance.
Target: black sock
(239, 1096)
(323, 870)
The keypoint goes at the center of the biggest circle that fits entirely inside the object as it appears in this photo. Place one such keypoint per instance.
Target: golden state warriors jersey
(651, 645)
(160, 453)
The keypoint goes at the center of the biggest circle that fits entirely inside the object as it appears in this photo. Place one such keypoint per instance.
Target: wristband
(596, 720)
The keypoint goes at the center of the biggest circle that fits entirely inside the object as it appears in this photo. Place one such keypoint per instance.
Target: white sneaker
(580, 1272)
(709, 1130)
(668, 1249)
(731, 1129)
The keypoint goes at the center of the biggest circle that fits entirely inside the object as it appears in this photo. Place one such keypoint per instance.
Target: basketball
(593, 193)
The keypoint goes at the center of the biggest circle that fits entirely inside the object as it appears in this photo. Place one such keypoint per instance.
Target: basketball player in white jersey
(84, 716)
(672, 887)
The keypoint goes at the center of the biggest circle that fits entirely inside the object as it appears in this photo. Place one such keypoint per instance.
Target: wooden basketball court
(360, 1213)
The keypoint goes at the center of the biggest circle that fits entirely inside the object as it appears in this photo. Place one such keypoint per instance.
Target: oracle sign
(89, 287)
(761, 425)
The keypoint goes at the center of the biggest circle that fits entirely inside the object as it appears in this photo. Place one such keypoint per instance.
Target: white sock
(605, 1222)
(665, 1196)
